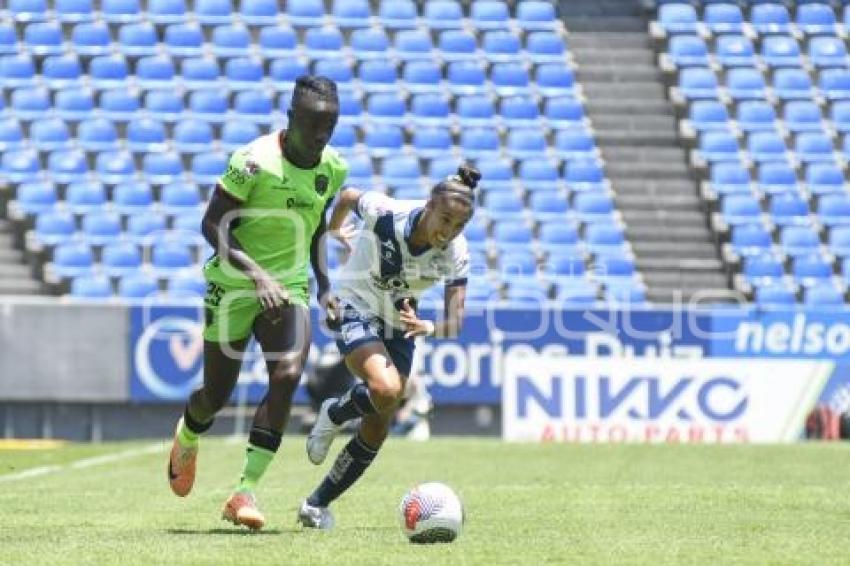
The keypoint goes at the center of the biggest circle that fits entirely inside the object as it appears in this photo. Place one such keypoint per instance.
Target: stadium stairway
(635, 128)
(15, 277)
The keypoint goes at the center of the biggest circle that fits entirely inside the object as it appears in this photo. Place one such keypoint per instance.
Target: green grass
(526, 504)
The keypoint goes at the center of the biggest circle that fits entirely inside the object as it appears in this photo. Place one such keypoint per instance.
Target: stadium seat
(17, 71)
(208, 167)
(146, 135)
(799, 241)
(121, 11)
(577, 293)
(213, 12)
(54, 227)
(834, 210)
(192, 136)
(386, 108)
(740, 209)
(478, 143)
(119, 259)
(133, 198)
(187, 284)
(73, 11)
(397, 14)
(593, 207)
(210, 106)
(525, 142)
(584, 175)
(401, 170)
(44, 38)
(605, 239)
(232, 40)
(750, 240)
(367, 44)
(777, 295)
(183, 40)
(791, 84)
(466, 78)
(166, 105)
(770, 18)
(306, 13)
(723, 18)
(259, 12)
(544, 47)
(360, 170)
(62, 72)
(678, 18)
(755, 115)
(90, 287)
(502, 47)
(781, 51)
(97, 134)
(166, 11)
(812, 147)
(519, 111)
(33, 197)
(536, 15)
(763, 270)
(564, 112)
(766, 146)
(839, 116)
(180, 197)
(839, 242)
(74, 105)
(137, 285)
(538, 174)
(11, 135)
(277, 41)
(20, 165)
(383, 140)
(802, 116)
(834, 84)
(789, 209)
(697, 83)
(162, 167)
(687, 51)
(432, 141)
(745, 83)
(100, 228)
(512, 235)
(143, 227)
(90, 39)
(235, 134)
(823, 179)
(824, 295)
(509, 79)
(242, 73)
(474, 110)
(67, 166)
(71, 259)
(254, 105)
(729, 177)
(558, 237)
(815, 19)
(827, 51)
(378, 75)
(50, 134)
(811, 270)
(548, 206)
(155, 72)
(138, 40)
(284, 71)
(498, 172)
(705, 115)
(429, 109)
(8, 39)
(734, 51)
(774, 177)
(554, 79)
(504, 205)
(443, 14)
(489, 15)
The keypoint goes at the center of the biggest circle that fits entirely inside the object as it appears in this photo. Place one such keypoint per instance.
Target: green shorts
(230, 313)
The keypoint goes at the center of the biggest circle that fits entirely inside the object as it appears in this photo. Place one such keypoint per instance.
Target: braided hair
(460, 186)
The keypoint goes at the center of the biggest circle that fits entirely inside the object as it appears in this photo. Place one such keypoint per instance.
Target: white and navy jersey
(383, 268)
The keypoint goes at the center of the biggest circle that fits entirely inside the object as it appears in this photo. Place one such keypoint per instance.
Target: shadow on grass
(234, 531)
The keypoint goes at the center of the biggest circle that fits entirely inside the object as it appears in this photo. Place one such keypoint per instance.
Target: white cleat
(322, 434)
(315, 517)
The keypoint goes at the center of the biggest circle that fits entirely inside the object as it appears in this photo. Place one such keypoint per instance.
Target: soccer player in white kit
(405, 247)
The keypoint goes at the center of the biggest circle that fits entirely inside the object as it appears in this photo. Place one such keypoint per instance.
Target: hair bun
(469, 175)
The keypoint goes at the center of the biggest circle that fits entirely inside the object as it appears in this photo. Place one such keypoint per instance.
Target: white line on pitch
(86, 462)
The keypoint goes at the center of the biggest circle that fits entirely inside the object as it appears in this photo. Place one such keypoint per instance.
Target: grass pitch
(526, 504)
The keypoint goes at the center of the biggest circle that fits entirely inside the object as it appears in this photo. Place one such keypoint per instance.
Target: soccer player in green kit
(267, 211)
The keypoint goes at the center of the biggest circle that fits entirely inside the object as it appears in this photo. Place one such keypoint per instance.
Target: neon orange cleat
(181, 466)
(241, 509)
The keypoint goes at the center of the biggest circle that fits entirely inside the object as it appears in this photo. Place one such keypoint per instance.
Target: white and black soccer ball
(431, 512)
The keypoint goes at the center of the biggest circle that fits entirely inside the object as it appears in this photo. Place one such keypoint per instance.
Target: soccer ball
(431, 512)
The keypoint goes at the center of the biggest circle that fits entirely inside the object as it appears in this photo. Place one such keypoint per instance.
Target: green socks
(256, 461)
(186, 437)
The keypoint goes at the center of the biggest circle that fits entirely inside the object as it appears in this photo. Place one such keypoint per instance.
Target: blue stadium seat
(617, 270)
(397, 14)
(729, 177)
(677, 18)
(498, 172)
(802, 116)
(816, 19)
(688, 51)
(91, 39)
(536, 15)
(790, 84)
(83, 197)
(401, 170)
(284, 71)
(137, 285)
(184, 40)
(30, 104)
(277, 41)
(306, 13)
(50, 134)
(23, 11)
(20, 165)
(33, 197)
(788, 209)
(593, 207)
(478, 143)
(165, 105)
(824, 179)
(812, 147)
(192, 136)
(575, 144)
(74, 105)
(697, 83)
(120, 258)
(213, 12)
(166, 11)
(708, 115)
(169, 256)
(232, 40)
(188, 226)
(777, 177)
(67, 166)
(839, 115)
(519, 111)
(378, 75)
(834, 84)
(722, 18)
(54, 227)
(781, 51)
(751, 239)
(564, 266)
(199, 73)
(259, 12)
(735, 51)
(208, 167)
(62, 72)
(557, 236)
(8, 40)
(605, 239)
(344, 136)
(501, 47)
(474, 110)
(457, 45)
(413, 45)
(108, 72)
(834, 210)
(133, 198)
(770, 18)
(369, 43)
(11, 135)
(715, 146)
(162, 167)
(443, 14)
(475, 233)
(235, 134)
(350, 108)
(755, 115)
(442, 167)
(146, 135)
(775, 296)
(745, 83)
(767, 146)
(429, 109)
(187, 284)
(740, 209)
(827, 51)
(504, 205)
(211, 106)
(338, 70)
(512, 235)
(323, 42)
(545, 47)
(799, 241)
(350, 14)
(824, 295)
(763, 270)
(44, 38)
(432, 142)
(243, 73)
(525, 142)
(466, 78)
(383, 140)
(577, 293)
(138, 39)
(121, 11)
(360, 170)
(423, 77)
(73, 11)
(564, 112)
(509, 79)
(584, 175)
(142, 228)
(548, 206)
(386, 108)
(155, 72)
(555, 79)
(91, 287)
(17, 71)
(839, 243)
(100, 228)
(489, 15)
(538, 173)
(180, 197)
(254, 105)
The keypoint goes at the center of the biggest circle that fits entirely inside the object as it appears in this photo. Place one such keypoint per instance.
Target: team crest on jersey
(251, 168)
(321, 184)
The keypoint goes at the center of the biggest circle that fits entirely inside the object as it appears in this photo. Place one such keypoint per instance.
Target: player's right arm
(222, 217)
(345, 204)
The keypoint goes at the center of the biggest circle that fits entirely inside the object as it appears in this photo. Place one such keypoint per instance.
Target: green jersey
(282, 206)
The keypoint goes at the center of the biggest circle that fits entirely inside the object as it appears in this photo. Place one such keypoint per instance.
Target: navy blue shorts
(357, 329)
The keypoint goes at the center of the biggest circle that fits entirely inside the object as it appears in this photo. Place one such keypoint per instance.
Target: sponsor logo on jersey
(321, 184)
(296, 203)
